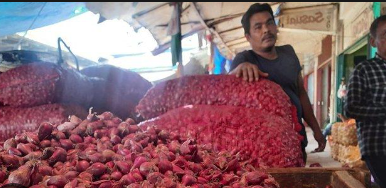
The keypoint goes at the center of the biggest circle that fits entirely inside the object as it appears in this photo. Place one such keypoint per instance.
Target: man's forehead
(261, 17)
(383, 23)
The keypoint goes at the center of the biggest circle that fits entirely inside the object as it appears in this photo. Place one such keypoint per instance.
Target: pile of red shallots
(104, 151)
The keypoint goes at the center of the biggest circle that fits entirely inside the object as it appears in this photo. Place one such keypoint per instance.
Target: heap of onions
(104, 151)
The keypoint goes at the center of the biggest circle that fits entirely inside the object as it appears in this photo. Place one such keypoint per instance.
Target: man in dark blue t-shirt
(278, 63)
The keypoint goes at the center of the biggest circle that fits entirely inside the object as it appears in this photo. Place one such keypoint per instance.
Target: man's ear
(372, 42)
(247, 36)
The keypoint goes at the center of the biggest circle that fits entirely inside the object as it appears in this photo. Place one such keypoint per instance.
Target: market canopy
(22, 16)
(301, 24)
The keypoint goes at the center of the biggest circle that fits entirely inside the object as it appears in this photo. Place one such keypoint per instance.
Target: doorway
(325, 92)
(345, 65)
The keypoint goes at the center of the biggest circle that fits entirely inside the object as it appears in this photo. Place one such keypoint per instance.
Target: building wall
(326, 50)
(354, 23)
(383, 8)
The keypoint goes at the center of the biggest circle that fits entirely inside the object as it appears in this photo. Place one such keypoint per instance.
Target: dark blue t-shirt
(284, 70)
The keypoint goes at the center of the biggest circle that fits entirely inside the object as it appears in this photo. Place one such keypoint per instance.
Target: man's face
(263, 31)
(380, 40)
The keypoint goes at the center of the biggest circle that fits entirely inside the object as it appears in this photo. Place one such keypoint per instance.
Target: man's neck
(271, 55)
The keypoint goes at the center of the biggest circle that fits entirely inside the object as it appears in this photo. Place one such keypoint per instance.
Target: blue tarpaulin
(221, 64)
(18, 16)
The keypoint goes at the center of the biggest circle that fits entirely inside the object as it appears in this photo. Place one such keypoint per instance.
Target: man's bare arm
(309, 116)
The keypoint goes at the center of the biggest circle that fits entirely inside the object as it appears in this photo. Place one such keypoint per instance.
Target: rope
(33, 22)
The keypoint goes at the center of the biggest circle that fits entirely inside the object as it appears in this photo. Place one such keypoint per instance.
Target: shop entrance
(347, 60)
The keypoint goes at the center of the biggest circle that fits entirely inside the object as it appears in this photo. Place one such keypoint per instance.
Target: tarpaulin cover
(219, 62)
(18, 16)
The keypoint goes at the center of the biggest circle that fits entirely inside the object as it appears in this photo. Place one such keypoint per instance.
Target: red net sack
(43, 83)
(29, 85)
(218, 90)
(266, 140)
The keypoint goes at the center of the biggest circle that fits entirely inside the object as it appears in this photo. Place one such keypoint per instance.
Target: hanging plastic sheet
(219, 62)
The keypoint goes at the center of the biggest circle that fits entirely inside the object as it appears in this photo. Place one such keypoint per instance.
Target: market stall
(220, 139)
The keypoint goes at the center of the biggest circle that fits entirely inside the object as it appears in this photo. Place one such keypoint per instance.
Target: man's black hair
(253, 9)
(374, 25)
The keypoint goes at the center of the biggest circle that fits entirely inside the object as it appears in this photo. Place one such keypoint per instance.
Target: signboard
(361, 25)
(320, 18)
(358, 26)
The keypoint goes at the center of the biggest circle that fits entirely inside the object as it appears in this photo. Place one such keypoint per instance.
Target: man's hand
(321, 141)
(248, 71)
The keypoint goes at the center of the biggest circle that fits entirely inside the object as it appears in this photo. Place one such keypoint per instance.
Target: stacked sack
(333, 138)
(40, 92)
(46, 87)
(119, 91)
(223, 104)
(215, 90)
(44, 83)
(347, 135)
(344, 144)
(108, 87)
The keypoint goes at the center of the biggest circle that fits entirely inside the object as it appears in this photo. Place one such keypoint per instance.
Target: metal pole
(60, 61)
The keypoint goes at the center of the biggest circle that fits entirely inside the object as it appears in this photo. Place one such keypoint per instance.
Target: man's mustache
(268, 36)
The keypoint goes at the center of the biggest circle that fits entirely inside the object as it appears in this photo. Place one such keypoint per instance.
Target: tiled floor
(324, 158)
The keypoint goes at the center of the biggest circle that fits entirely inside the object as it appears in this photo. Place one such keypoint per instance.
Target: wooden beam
(238, 43)
(345, 180)
(237, 39)
(165, 46)
(221, 19)
(185, 23)
(232, 29)
(241, 45)
(320, 177)
(364, 176)
(295, 170)
(138, 14)
(185, 9)
(218, 20)
(210, 29)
